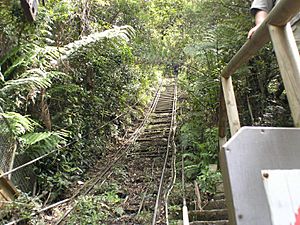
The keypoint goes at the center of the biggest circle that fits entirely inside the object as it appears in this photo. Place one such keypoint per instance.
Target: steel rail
(173, 178)
(57, 149)
(185, 214)
(104, 174)
(157, 203)
(63, 147)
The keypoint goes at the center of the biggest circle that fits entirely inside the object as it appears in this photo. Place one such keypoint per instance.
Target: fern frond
(33, 138)
(9, 54)
(191, 156)
(31, 79)
(192, 170)
(18, 124)
(29, 53)
(37, 144)
(123, 33)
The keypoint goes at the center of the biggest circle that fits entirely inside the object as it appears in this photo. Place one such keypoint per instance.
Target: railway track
(148, 166)
(142, 170)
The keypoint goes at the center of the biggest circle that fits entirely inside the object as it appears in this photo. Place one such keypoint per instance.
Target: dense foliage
(63, 79)
(216, 30)
(84, 63)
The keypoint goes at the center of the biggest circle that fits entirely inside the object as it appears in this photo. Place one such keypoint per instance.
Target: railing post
(222, 119)
(231, 107)
(289, 64)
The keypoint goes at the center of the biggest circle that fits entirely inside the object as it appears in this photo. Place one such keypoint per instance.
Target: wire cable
(120, 153)
(55, 150)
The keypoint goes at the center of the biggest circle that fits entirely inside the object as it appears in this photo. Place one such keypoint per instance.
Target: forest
(74, 80)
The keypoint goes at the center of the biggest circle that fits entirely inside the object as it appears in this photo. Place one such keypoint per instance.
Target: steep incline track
(142, 170)
(147, 168)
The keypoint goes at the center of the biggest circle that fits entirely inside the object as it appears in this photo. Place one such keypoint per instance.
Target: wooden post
(231, 107)
(198, 196)
(7, 190)
(222, 119)
(289, 64)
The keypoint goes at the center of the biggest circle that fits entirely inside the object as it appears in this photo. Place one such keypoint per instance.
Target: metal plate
(282, 189)
(243, 157)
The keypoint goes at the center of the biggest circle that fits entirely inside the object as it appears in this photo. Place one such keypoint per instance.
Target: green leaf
(32, 138)
(18, 124)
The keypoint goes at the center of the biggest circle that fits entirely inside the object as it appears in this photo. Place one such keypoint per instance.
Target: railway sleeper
(152, 141)
(158, 126)
(168, 104)
(163, 108)
(152, 138)
(208, 215)
(147, 133)
(166, 123)
(161, 115)
(166, 96)
(203, 215)
(147, 154)
(165, 103)
(157, 149)
(163, 111)
(158, 135)
(216, 204)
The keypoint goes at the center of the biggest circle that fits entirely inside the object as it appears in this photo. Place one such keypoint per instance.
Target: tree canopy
(84, 63)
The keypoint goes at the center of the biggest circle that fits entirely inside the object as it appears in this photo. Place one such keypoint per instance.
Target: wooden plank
(282, 189)
(231, 107)
(286, 9)
(198, 195)
(289, 64)
(8, 191)
(283, 12)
